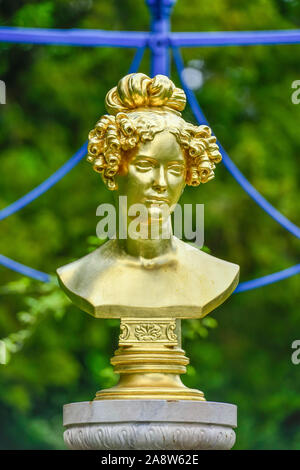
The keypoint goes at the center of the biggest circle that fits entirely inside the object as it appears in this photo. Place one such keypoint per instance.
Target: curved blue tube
(47, 184)
(11, 264)
(22, 269)
(231, 167)
(62, 171)
(43, 187)
(269, 279)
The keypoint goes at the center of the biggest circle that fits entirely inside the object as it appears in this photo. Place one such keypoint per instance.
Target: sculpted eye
(176, 169)
(144, 165)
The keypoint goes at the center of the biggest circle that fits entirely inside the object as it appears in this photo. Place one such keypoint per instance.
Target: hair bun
(137, 90)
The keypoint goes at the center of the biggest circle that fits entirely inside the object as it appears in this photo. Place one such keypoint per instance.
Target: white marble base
(149, 425)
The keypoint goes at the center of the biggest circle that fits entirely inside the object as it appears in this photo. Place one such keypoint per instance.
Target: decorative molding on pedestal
(159, 330)
(145, 436)
(149, 425)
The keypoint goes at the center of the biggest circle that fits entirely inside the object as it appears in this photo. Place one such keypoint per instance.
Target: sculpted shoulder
(101, 258)
(77, 279)
(207, 264)
(219, 277)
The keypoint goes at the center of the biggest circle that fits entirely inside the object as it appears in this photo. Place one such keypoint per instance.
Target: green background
(242, 352)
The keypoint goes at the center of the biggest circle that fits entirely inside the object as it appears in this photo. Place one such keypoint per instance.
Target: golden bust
(145, 151)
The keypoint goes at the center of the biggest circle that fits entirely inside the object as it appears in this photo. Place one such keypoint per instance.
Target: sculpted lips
(157, 200)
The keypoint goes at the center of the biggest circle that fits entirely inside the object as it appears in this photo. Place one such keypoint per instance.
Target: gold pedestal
(149, 361)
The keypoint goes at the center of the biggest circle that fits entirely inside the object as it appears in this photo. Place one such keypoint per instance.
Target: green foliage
(55, 353)
(39, 300)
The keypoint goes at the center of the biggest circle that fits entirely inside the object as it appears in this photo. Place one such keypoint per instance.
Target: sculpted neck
(147, 248)
(146, 240)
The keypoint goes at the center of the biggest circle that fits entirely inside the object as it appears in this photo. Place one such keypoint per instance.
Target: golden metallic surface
(149, 361)
(145, 151)
(183, 282)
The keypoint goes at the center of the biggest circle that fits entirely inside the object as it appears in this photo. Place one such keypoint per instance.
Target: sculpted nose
(160, 182)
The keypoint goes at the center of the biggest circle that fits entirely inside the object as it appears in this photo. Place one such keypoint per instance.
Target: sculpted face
(155, 173)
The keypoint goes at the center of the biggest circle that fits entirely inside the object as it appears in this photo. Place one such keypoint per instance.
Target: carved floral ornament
(148, 332)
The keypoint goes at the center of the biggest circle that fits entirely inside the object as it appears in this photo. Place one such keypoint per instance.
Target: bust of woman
(145, 151)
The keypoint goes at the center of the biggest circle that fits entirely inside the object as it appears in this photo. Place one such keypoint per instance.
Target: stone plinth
(149, 425)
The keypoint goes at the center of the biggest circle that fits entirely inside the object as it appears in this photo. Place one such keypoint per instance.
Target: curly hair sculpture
(140, 107)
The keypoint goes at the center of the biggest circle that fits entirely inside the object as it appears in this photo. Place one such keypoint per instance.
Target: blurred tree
(55, 95)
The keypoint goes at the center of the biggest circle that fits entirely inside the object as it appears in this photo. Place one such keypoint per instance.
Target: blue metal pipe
(22, 269)
(63, 170)
(74, 37)
(235, 38)
(231, 167)
(159, 39)
(137, 60)
(269, 279)
(45, 185)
